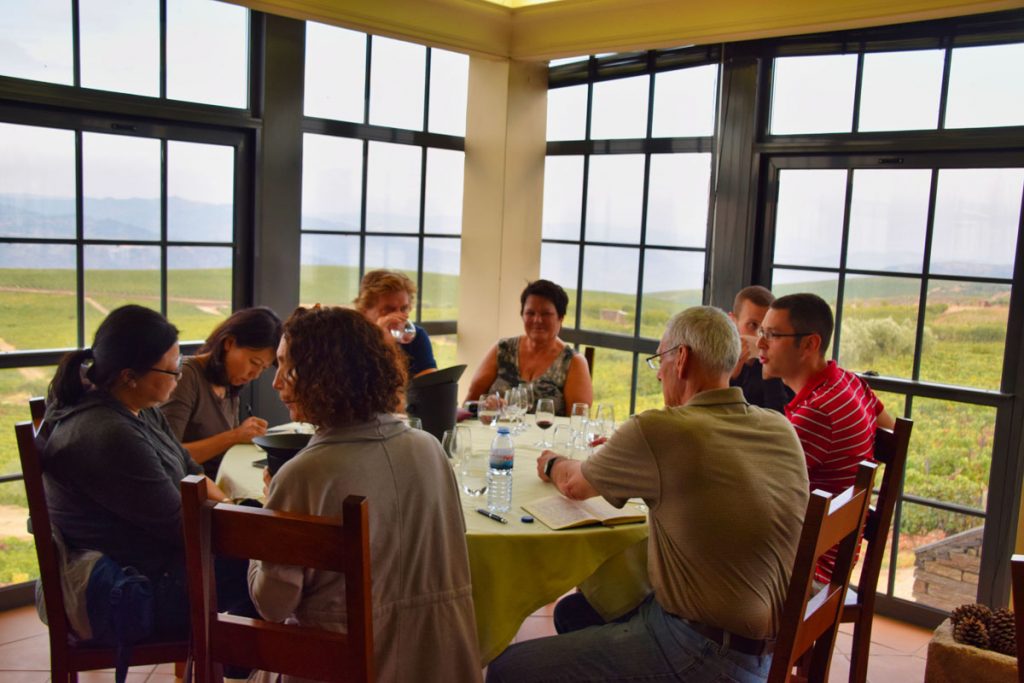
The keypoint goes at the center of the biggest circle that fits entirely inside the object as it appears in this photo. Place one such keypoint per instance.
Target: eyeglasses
(654, 362)
(769, 335)
(174, 373)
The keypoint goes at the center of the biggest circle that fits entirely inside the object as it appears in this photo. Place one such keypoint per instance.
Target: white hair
(709, 334)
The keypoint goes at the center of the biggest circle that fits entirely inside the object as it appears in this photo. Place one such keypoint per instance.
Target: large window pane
(37, 297)
(200, 192)
(813, 94)
(825, 285)
(440, 293)
(613, 375)
(35, 40)
(335, 86)
(986, 87)
(207, 52)
(677, 200)
(563, 197)
(615, 198)
(198, 289)
(121, 181)
(684, 102)
(648, 388)
(332, 182)
(965, 327)
(888, 219)
(329, 270)
(609, 289)
(396, 83)
(560, 264)
(939, 557)
(393, 188)
(620, 108)
(567, 113)
(673, 281)
(900, 90)
(393, 253)
(442, 207)
(446, 347)
(115, 276)
(809, 224)
(879, 324)
(950, 453)
(449, 83)
(120, 45)
(977, 213)
(37, 181)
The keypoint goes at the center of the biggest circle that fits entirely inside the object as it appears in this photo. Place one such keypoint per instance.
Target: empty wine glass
(605, 418)
(579, 414)
(562, 438)
(488, 408)
(403, 332)
(512, 408)
(545, 418)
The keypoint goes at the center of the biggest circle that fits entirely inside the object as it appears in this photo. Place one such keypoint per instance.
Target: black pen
(488, 513)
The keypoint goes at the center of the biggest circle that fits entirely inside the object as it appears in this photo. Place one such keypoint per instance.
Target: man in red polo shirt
(834, 411)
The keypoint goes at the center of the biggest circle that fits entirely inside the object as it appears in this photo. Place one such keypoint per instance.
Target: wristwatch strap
(549, 465)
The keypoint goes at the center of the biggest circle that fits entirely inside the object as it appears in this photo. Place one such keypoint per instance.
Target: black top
(420, 353)
(766, 393)
(112, 482)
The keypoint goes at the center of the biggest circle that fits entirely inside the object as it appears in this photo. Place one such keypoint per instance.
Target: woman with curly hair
(385, 298)
(203, 410)
(337, 371)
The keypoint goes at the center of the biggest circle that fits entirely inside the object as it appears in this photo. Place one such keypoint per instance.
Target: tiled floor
(897, 651)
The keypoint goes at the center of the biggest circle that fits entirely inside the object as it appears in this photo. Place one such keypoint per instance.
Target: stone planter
(953, 662)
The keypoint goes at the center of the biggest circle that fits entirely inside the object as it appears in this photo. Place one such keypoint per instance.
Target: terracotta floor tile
(25, 676)
(107, 676)
(839, 672)
(896, 635)
(19, 623)
(159, 677)
(26, 654)
(895, 668)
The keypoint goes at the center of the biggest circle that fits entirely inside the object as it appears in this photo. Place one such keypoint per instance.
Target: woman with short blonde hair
(385, 299)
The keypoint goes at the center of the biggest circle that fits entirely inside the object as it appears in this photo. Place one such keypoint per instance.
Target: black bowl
(281, 448)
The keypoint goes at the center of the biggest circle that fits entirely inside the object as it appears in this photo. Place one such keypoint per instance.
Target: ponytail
(67, 387)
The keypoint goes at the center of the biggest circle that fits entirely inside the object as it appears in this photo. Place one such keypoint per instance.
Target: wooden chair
(68, 656)
(588, 354)
(287, 538)
(37, 409)
(859, 607)
(807, 629)
(1017, 582)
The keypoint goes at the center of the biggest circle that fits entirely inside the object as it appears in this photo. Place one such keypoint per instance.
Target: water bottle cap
(503, 430)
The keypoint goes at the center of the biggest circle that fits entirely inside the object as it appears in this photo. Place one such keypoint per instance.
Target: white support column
(506, 123)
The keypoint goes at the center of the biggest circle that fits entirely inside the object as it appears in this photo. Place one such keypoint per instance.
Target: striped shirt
(834, 415)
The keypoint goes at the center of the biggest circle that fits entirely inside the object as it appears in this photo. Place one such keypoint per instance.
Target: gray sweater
(112, 482)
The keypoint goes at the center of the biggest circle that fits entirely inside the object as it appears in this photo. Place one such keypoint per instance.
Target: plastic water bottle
(499, 474)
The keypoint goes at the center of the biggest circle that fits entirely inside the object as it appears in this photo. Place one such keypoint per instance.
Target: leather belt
(747, 646)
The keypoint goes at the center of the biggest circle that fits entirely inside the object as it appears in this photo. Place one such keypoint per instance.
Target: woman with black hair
(112, 465)
(203, 410)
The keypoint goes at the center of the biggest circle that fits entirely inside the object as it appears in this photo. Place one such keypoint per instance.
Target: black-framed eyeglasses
(174, 373)
(769, 335)
(654, 362)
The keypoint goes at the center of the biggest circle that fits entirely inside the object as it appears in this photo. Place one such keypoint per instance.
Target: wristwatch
(549, 465)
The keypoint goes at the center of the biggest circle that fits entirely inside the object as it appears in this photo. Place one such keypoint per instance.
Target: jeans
(652, 646)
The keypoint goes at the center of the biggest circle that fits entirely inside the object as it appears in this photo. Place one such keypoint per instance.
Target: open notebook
(558, 512)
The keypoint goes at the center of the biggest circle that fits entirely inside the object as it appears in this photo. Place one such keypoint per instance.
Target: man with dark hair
(727, 489)
(834, 411)
(748, 310)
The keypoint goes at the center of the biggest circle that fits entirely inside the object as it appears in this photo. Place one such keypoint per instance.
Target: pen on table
(488, 513)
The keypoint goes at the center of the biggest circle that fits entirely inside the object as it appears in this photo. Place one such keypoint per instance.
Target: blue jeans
(654, 645)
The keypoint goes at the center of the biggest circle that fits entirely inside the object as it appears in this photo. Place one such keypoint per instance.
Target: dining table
(519, 566)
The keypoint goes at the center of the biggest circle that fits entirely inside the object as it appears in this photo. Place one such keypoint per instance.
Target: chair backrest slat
(37, 409)
(1017, 582)
(287, 538)
(807, 629)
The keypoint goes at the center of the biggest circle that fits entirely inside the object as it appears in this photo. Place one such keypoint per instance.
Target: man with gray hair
(727, 489)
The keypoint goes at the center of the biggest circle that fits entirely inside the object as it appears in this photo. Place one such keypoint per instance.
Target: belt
(747, 646)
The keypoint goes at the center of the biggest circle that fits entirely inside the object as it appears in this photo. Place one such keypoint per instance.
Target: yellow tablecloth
(516, 567)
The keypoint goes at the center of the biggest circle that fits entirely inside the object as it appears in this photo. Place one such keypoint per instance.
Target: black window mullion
(583, 208)
(362, 209)
(79, 236)
(922, 304)
(944, 92)
(163, 49)
(857, 86)
(841, 283)
(163, 226)
(421, 237)
(76, 47)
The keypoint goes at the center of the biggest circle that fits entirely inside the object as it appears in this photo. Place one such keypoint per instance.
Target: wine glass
(488, 408)
(524, 396)
(511, 408)
(606, 419)
(404, 332)
(579, 414)
(545, 417)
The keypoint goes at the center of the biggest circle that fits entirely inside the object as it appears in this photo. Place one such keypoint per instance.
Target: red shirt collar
(829, 373)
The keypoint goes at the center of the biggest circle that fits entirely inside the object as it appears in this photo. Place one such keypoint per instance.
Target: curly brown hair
(343, 369)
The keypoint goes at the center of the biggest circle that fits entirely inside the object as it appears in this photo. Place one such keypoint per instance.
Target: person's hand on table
(252, 427)
(542, 462)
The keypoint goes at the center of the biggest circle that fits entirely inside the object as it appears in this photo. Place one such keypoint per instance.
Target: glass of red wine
(545, 417)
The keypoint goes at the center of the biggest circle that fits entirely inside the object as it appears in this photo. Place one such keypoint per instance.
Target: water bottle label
(501, 460)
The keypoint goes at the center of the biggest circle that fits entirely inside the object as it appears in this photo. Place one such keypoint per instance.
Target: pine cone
(1002, 632)
(971, 631)
(978, 611)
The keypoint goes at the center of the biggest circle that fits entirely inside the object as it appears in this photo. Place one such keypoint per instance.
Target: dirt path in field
(205, 305)
(27, 373)
(12, 522)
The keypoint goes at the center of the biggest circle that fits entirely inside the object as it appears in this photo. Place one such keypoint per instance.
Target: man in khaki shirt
(727, 488)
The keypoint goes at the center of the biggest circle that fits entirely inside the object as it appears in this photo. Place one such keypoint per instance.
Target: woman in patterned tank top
(538, 356)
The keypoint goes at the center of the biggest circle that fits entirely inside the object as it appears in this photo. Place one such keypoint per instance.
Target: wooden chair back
(68, 656)
(37, 409)
(588, 354)
(1017, 583)
(891, 448)
(807, 630)
(287, 538)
